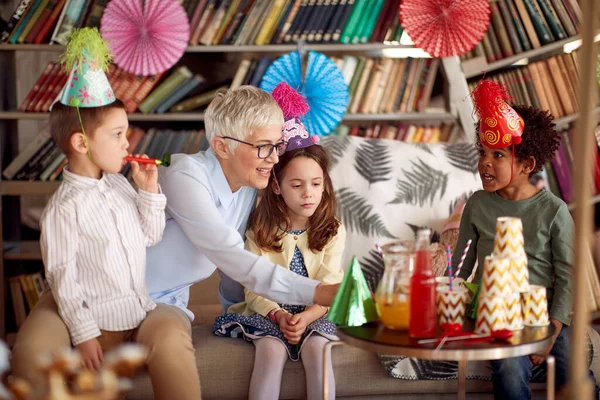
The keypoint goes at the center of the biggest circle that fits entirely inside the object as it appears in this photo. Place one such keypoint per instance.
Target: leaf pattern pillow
(386, 189)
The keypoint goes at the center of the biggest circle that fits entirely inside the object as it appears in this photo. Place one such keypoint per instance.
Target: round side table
(377, 338)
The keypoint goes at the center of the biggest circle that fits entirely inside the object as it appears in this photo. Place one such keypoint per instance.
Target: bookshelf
(407, 117)
(457, 108)
(17, 250)
(478, 66)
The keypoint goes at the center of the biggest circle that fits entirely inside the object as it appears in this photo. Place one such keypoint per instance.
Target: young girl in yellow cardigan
(294, 225)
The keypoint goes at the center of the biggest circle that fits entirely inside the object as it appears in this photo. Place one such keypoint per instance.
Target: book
(38, 142)
(552, 19)
(189, 86)
(14, 20)
(73, 11)
(45, 21)
(195, 102)
(37, 12)
(173, 80)
(23, 22)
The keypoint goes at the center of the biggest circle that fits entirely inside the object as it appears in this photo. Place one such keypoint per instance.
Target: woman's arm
(192, 207)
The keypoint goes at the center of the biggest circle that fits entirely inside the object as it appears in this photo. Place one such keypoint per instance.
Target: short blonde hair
(237, 112)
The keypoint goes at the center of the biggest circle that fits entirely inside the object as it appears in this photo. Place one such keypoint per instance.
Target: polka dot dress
(257, 326)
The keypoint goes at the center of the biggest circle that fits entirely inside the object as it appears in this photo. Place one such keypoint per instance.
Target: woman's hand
(324, 294)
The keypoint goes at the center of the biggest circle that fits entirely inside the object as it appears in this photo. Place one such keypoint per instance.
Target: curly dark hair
(540, 139)
(269, 221)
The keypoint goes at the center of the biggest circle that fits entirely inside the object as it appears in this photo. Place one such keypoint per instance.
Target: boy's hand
(91, 354)
(538, 359)
(296, 327)
(145, 176)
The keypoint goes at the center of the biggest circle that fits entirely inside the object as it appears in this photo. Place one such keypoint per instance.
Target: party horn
(165, 161)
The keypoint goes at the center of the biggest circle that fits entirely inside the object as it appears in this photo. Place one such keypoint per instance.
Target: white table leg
(326, 361)
(550, 376)
(462, 379)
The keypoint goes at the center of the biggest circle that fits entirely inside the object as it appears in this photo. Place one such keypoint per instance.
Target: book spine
(552, 19)
(339, 13)
(36, 88)
(41, 20)
(527, 23)
(542, 30)
(95, 15)
(328, 14)
(174, 80)
(365, 33)
(190, 85)
(16, 17)
(23, 22)
(563, 16)
(510, 26)
(49, 24)
(519, 27)
(500, 31)
(353, 22)
(73, 11)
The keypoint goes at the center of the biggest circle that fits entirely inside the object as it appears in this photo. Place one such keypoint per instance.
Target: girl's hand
(145, 176)
(91, 354)
(296, 327)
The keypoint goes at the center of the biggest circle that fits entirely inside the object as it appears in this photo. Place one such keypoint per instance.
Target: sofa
(386, 189)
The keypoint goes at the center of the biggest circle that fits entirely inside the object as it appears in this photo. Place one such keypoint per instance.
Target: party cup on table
(491, 314)
(496, 277)
(514, 312)
(535, 306)
(451, 304)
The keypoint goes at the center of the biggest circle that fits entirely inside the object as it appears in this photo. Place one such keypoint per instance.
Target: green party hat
(353, 304)
(86, 59)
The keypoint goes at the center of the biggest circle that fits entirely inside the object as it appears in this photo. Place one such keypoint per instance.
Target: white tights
(270, 358)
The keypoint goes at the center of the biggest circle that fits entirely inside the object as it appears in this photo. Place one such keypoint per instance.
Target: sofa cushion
(387, 188)
(225, 366)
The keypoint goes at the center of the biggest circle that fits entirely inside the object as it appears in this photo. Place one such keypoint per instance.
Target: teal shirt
(548, 231)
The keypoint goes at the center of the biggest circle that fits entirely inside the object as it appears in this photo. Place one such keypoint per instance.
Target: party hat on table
(353, 304)
(86, 59)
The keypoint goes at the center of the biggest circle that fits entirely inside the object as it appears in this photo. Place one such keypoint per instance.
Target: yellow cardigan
(324, 266)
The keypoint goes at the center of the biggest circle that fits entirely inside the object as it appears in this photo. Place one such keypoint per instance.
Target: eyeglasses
(264, 150)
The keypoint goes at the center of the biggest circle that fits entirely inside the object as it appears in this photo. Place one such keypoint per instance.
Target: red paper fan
(146, 37)
(445, 28)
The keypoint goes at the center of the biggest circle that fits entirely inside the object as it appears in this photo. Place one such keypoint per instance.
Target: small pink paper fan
(146, 37)
(445, 28)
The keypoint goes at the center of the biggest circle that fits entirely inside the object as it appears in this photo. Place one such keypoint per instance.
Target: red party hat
(499, 124)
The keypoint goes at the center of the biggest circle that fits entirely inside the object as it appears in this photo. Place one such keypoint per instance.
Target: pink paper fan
(146, 37)
(445, 28)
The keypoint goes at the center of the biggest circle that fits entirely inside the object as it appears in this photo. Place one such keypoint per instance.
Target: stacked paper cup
(509, 244)
(495, 288)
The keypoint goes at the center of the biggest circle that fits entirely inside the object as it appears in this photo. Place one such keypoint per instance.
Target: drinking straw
(464, 255)
(379, 251)
(449, 253)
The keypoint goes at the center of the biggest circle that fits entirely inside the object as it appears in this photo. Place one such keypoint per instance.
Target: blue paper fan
(324, 88)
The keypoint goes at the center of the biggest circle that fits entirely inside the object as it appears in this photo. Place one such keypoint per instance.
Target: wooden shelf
(413, 117)
(18, 188)
(24, 250)
(593, 200)
(487, 68)
(271, 48)
(565, 121)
